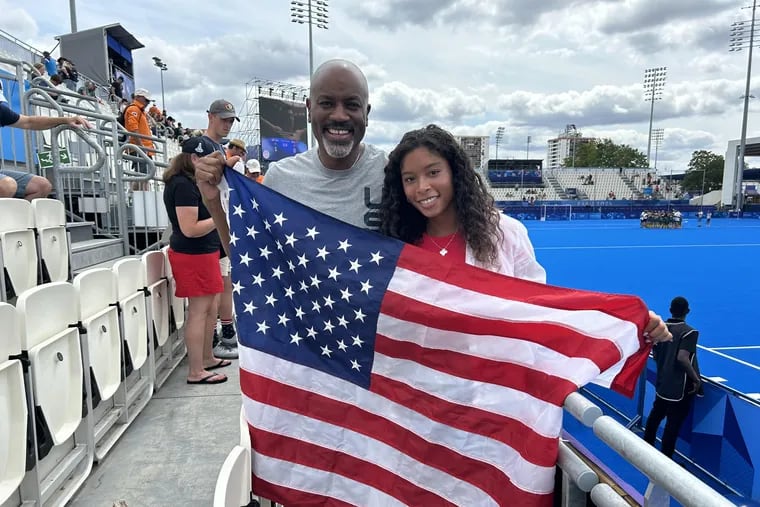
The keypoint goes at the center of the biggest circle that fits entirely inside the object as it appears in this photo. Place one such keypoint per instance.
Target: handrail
(100, 162)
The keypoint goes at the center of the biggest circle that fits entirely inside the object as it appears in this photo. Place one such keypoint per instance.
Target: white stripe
(591, 323)
(497, 348)
(731, 358)
(337, 438)
(743, 347)
(543, 417)
(302, 478)
(537, 479)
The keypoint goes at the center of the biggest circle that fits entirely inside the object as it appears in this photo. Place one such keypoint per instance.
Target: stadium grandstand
(93, 334)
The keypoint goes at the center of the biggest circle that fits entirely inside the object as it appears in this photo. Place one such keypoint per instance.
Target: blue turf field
(715, 268)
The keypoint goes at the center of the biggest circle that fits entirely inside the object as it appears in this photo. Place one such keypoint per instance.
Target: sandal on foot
(223, 363)
(208, 379)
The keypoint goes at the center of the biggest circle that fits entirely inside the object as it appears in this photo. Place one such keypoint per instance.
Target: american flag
(375, 373)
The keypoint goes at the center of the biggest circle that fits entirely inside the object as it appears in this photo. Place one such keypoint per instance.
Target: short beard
(337, 150)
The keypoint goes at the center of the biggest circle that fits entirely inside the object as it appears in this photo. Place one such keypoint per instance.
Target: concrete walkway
(172, 453)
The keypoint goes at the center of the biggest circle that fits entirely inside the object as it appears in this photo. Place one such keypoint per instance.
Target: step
(85, 254)
(80, 231)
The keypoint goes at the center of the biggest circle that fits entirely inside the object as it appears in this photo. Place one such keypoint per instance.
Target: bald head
(331, 69)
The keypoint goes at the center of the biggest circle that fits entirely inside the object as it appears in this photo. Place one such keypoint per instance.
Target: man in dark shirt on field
(678, 378)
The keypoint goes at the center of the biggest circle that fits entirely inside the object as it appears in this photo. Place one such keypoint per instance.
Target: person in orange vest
(253, 170)
(136, 120)
(236, 147)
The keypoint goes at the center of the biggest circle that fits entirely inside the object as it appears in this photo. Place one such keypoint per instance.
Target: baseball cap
(142, 92)
(200, 145)
(238, 143)
(223, 108)
(253, 166)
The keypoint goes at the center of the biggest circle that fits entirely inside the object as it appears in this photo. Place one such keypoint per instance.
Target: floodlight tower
(313, 13)
(654, 83)
(499, 137)
(657, 136)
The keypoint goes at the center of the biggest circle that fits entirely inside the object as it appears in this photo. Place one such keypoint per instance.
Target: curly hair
(476, 215)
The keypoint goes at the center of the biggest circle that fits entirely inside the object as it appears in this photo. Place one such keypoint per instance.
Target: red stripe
(624, 307)
(530, 445)
(318, 457)
(288, 496)
(346, 413)
(625, 381)
(538, 384)
(603, 352)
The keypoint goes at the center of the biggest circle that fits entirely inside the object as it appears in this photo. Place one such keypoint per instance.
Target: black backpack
(121, 121)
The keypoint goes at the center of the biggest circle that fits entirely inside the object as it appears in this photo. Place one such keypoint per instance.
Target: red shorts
(196, 274)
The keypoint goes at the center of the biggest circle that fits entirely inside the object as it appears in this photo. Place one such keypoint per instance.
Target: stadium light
(162, 67)
(499, 137)
(741, 37)
(654, 83)
(313, 13)
(657, 136)
(572, 128)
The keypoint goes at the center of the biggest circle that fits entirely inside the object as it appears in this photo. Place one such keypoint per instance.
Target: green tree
(705, 163)
(605, 153)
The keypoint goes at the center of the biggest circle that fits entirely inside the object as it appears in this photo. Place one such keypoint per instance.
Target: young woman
(194, 257)
(432, 198)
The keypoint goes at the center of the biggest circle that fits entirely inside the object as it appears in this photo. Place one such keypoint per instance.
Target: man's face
(237, 151)
(219, 127)
(338, 111)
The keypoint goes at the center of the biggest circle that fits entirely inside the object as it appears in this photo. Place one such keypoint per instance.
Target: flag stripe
(497, 348)
(303, 452)
(293, 484)
(475, 481)
(513, 376)
(531, 446)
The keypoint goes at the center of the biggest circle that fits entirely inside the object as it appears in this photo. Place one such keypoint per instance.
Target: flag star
(258, 280)
(366, 287)
(304, 286)
(355, 365)
(329, 302)
(238, 210)
(280, 219)
(302, 260)
(355, 266)
(254, 204)
(279, 245)
(344, 245)
(329, 326)
(345, 294)
(342, 321)
(237, 288)
(252, 232)
(311, 232)
(264, 252)
(326, 351)
(333, 274)
(315, 281)
(359, 315)
(322, 253)
(300, 313)
(233, 239)
(289, 292)
(267, 225)
(271, 300)
(290, 240)
(295, 338)
(277, 272)
(376, 258)
(283, 319)
(249, 308)
(342, 345)
(311, 333)
(262, 327)
(357, 341)
(315, 306)
(291, 266)
(244, 259)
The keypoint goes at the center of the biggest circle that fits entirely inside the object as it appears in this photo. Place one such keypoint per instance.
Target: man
(342, 176)
(253, 171)
(20, 184)
(136, 121)
(236, 148)
(51, 67)
(117, 88)
(678, 378)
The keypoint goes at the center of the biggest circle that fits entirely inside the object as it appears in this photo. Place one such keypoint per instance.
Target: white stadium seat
(233, 485)
(155, 277)
(50, 222)
(177, 304)
(130, 276)
(17, 246)
(12, 406)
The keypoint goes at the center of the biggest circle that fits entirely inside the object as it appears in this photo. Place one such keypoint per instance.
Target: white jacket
(516, 256)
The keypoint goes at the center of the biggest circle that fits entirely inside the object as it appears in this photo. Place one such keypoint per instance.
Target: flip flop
(221, 364)
(207, 380)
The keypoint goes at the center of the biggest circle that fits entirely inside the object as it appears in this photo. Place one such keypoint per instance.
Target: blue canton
(307, 287)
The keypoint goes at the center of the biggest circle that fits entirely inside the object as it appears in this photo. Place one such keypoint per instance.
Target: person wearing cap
(253, 171)
(136, 120)
(194, 258)
(678, 379)
(236, 148)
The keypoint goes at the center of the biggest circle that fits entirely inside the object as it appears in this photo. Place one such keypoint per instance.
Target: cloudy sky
(532, 66)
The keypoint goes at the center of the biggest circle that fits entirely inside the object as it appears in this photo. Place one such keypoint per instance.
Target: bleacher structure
(92, 329)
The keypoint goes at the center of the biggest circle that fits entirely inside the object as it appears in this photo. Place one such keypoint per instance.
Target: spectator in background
(50, 66)
(136, 121)
(68, 72)
(253, 170)
(117, 89)
(88, 90)
(236, 148)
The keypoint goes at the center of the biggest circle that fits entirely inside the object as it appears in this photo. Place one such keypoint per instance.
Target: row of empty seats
(78, 362)
(605, 181)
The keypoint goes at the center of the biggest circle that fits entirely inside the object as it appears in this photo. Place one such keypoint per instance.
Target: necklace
(443, 249)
